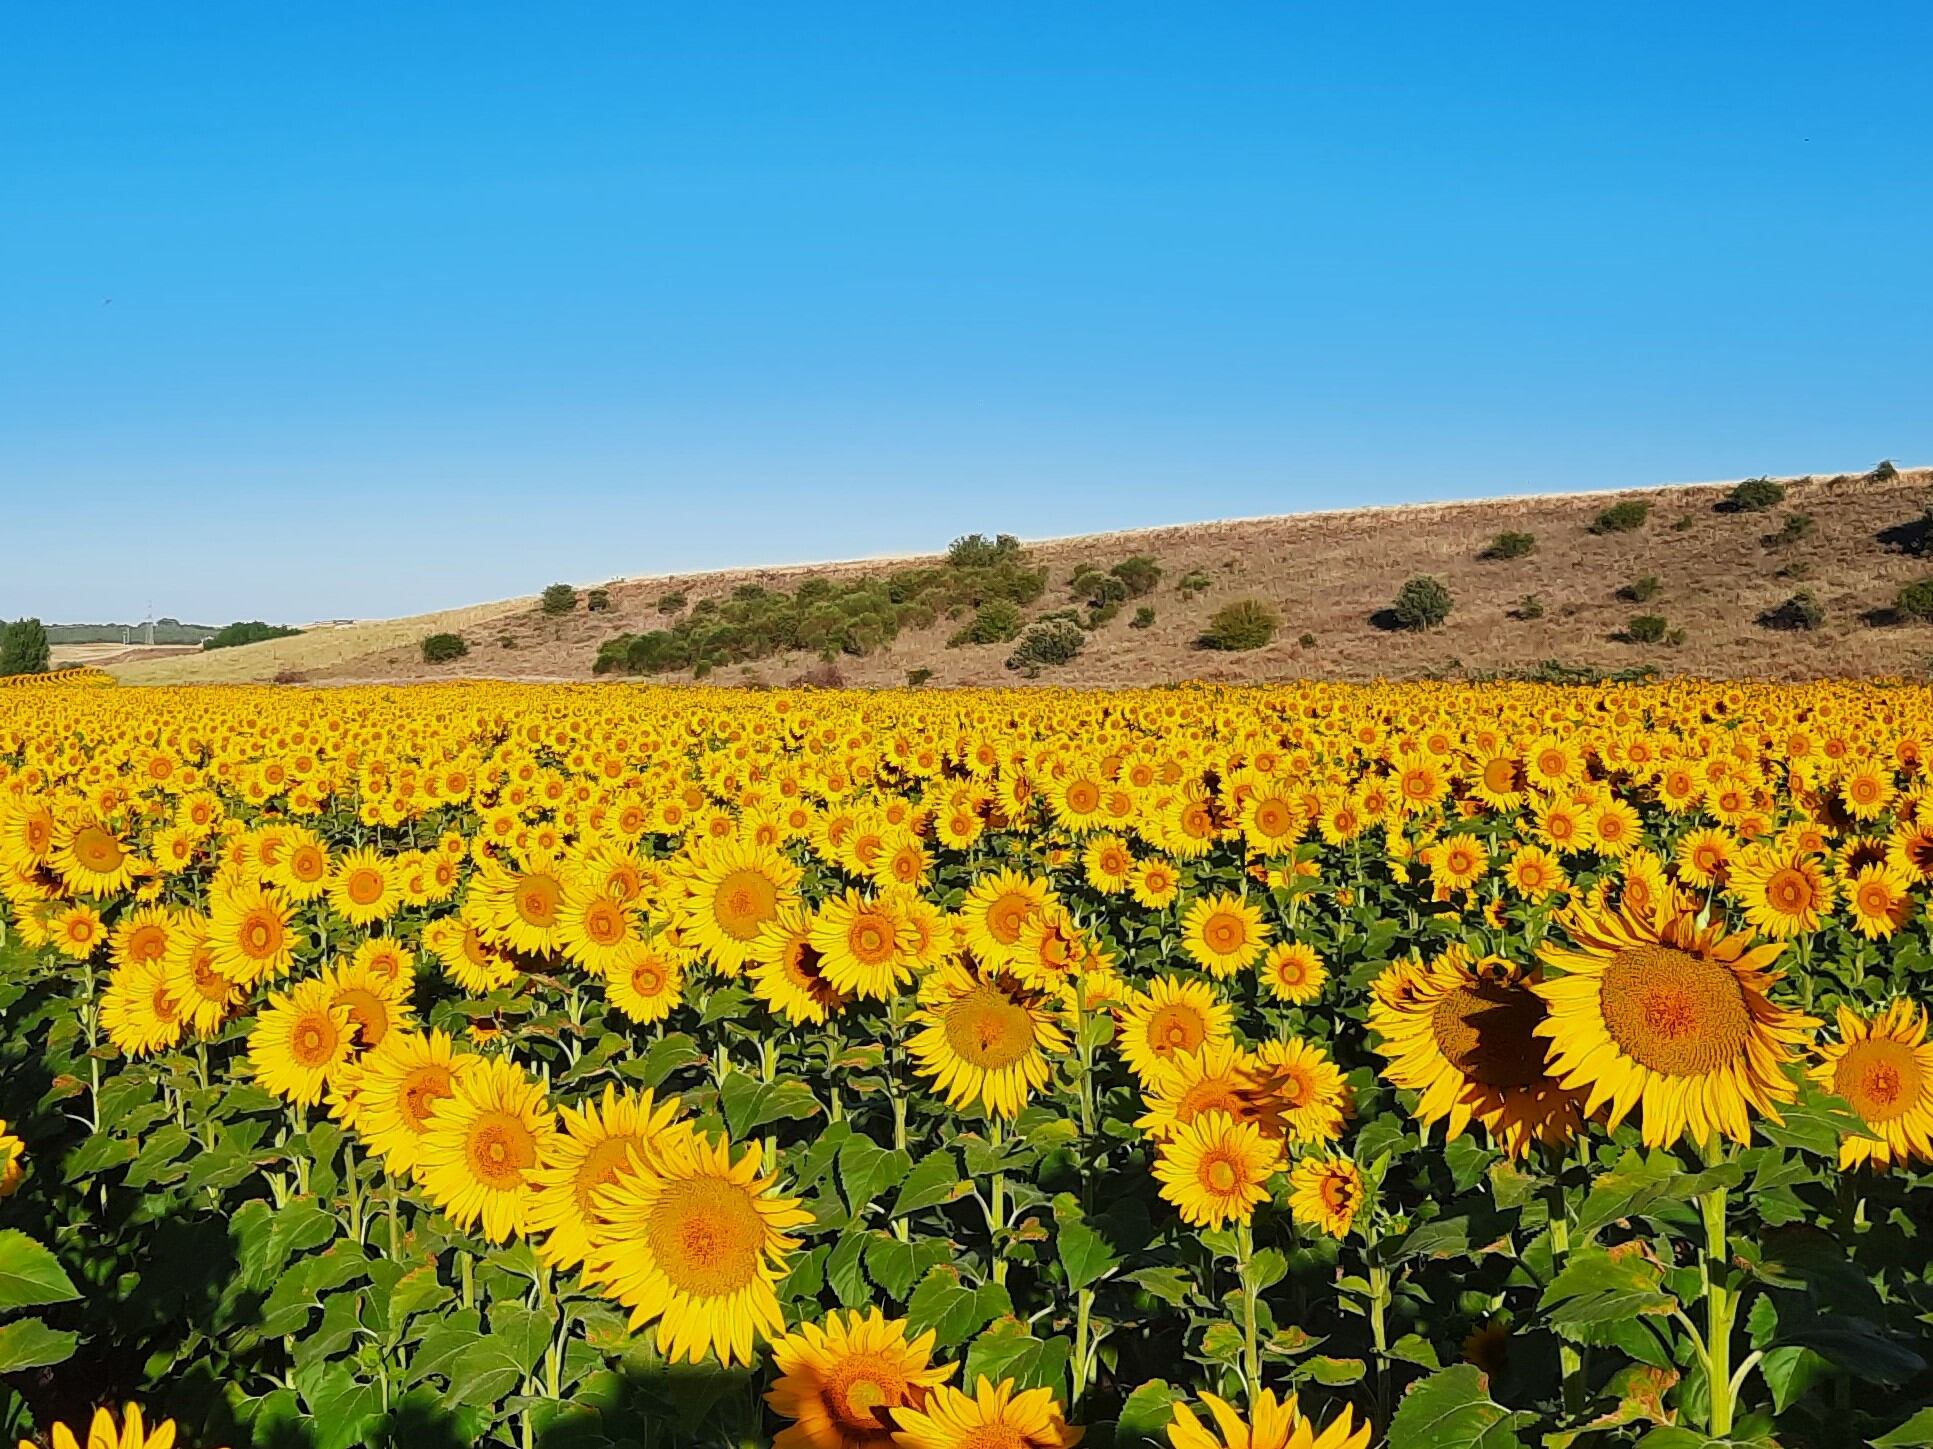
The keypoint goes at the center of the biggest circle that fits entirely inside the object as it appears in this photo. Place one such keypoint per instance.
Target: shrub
(977, 551)
(1802, 611)
(598, 601)
(1625, 517)
(672, 602)
(1682, 524)
(24, 648)
(1306, 640)
(1645, 628)
(994, 622)
(1139, 573)
(1195, 581)
(1915, 601)
(252, 632)
(1509, 545)
(441, 648)
(916, 677)
(1640, 590)
(1754, 495)
(1095, 588)
(1530, 606)
(1422, 603)
(559, 599)
(1243, 624)
(1883, 472)
(1797, 526)
(1047, 642)
(1143, 617)
(504, 641)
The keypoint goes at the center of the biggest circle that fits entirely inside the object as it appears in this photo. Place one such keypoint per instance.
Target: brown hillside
(1326, 574)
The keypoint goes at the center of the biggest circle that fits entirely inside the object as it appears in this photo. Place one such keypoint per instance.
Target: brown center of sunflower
(1500, 775)
(364, 887)
(1678, 1014)
(538, 897)
(707, 1236)
(871, 939)
(1789, 891)
(1881, 1078)
(1083, 797)
(501, 1148)
(1224, 932)
(97, 850)
(646, 979)
(147, 943)
(306, 864)
(994, 1436)
(1291, 970)
(422, 1089)
(856, 1385)
(988, 1029)
(1486, 1032)
(261, 936)
(1338, 1192)
(1007, 915)
(1176, 1028)
(744, 901)
(1220, 1175)
(313, 1041)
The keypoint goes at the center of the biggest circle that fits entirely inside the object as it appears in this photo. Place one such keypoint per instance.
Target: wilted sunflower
(1883, 1067)
(623, 1133)
(993, 1416)
(482, 1146)
(1326, 1193)
(1216, 1169)
(1223, 933)
(734, 889)
(104, 1433)
(697, 1245)
(863, 944)
(985, 1038)
(397, 1086)
(1172, 1018)
(1270, 1425)
(840, 1381)
(1462, 1033)
(1671, 1015)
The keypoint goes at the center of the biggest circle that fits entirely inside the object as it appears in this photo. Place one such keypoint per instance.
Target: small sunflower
(1216, 1169)
(103, 1433)
(788, 975)
(996, 910)
(1783, 892)
(249, 927)
(841, 1381)
(1294, 973)
(1271, 1424)
(993, 1416)
(648, 985)
(1883, 1067)
(864, 946)
(13, 1156)
(735, 889)
(1223, 933)
(1326, 1193)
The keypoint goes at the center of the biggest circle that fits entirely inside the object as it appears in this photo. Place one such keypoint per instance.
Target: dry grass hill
(1714, 574)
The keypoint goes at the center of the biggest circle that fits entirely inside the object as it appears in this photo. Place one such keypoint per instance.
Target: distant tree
(1241, 625)
(440, 648)
(1422, 603)
(559, 599)
(252, 631)
(1622, 517)
(598, 601)
(24, 648)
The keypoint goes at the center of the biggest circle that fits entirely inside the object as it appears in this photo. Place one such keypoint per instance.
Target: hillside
(1329, 576)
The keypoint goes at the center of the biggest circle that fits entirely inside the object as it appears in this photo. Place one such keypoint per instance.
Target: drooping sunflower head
(1271, 1424)
(993, 1416)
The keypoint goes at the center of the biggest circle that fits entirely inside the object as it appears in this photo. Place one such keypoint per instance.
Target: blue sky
(419, 305)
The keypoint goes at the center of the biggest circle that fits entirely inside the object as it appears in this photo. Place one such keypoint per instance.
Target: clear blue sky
(419, 305)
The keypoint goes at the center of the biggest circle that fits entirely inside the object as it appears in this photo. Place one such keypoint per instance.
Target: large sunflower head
(1675, 1016)
(1172, 1018)
(1883, 1067)
(1224, 933)
(625, 1132)
(1271, 1424)
(985, 1037)
(1216, 1169)
(840, 1381)
(300, 1041)
(397, 1087)
(864, 945)
(734, 889)
(482, 1145)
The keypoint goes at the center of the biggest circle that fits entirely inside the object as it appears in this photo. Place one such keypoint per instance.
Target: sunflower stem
(1569, 1357)
(395, 1226)
(1720, 1306)
(997, 1199)
(1083, 1347)
(1251, 1347)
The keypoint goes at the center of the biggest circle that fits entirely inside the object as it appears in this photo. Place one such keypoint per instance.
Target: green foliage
(1422, 603)
(1530, 606)
(1883, 472)
(1645, 629)
(1796, 528)
(977, 551)
(1754, 495)
(1640, 590)
(1140, 572)
(916, 677)
(1625, 517)
(598, 601)
(1306, 640)
(441, 648)
(997, 621)
(1802, 611)
(1045, 643)
(24, 648)
(1509, 545)
(166, 631)
(672, 602)
(1240, 625)
(1143, 617)
(1195, 581)
(559, 599)
(254, 631)
(1915, 600)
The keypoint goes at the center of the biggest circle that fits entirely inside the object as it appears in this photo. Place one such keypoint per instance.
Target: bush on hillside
(1140, 573)
(1422, 603)
(1047, 642)
(254, 631)
(1509, 545)
(1645, 629)
(1915, 601)
(441, 648)
(24, 648)
(977, 551)
(1754, 495)
(995, 622)
(1242, 624)
(1624, 517)
(1802, 611)
(598, 601)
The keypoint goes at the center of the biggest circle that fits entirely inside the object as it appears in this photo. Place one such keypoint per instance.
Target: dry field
(1327, 574)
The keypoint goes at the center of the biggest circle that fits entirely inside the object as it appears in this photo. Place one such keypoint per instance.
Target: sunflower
(91, 858)
(249, 930)
(1294, 973)
(1171, 1019)
(996, 910)
(477, 966)
(77, 931)
(141, 936)
(599, 1141)
(522, 910)
(301, 1038)
(1663, 1012)
(734, 890)
(1052, 951)
(1216, 1169)
(1154, 883)
(1457, 862)
(863, 944)
(697, 1245)
(1326, 1193)
(397, 1085)
(482, 1145)
(993, 1416)
(1271, 1424)
(1703, 857)
(364, 889)
(1108, 863)
(1217, 1077)
(1883, 1067)
(1307, 1099)
(648, 985)
(787, 976)
(140, 1010)
(1880, 897)
(985, 1038)
(1223, 933)
(841, 1381)
(1462, 1033)
(597, 930)
(13, 1152)
(1783, 891)
(375, 1006)
(104, 1433)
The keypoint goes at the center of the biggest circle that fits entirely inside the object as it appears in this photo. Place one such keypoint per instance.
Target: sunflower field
(1444, 1066)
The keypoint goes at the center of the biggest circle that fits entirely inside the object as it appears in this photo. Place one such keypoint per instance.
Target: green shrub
(672, 602)
(559, 599)
(1681, 524)
(1139, 573)
(1306, 640)
(1530, 606)
(1422, 603)
(441, 648)
(1802, 611)
(24, 648)
(1645, 628)
(1509, 545)
(1625, 517)
(1099, 614)
(994, 622)
(1915, 601)
(252, 632)
(1195, 581)
(1094, 588)
(1045, 643)
(977, 551)
(1797, 526)
(1883, 472)
(1143, 617)
(1243, 624)
(598, 601)
(916, 677)
(1754, 495)
(1640, 590)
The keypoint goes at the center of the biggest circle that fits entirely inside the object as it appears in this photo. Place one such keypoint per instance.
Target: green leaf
(1641, 1182)
(1438, 1238)
(341, 1407)
(944, 1303)
(843, 1271)
(1325, 1369)
(749, 1103)
(865, 1168)
(485, 1371)
(1915, 1433)
(1815, 1122)
(1146, 1415)
(1170, 1285)
(1414, 1348)
(667, 1055)
(30, 1275)
(1453, 1410)
(1008, 1350)
(1598, 1287)
(446, 1340)
(28, 1343)
(159, 1157)
(896, 1266)
(935, 1179)
(1084, 1252)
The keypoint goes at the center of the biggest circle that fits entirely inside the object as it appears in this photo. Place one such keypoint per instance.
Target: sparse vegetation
(1143, 617)
(1883, 472)
(1645, 629)
(1795, 528)
(1640, 590)
(672, 602)
(995, 622)
(1306, 640)
(977, 551)
(1915, 601)
(1422, 603)
(1509, 545)
(1530, 606)
(559, 599)
(1241, 625)
(1754, 495)
(441, 648)
(1195, 581)
(598, 601)
(916, 677)
(253, 631)
(1802, 611)
(1045, 643)
(1625, 517)
(1140, 573)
